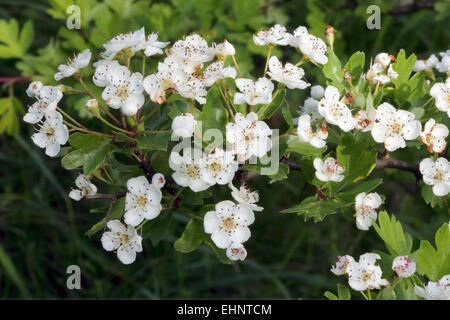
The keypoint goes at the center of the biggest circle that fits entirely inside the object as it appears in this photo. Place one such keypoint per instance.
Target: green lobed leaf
(435, 262)
(390, 230)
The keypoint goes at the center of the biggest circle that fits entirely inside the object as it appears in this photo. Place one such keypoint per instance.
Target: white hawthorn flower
(311, 46)
(435, 290)
(191, 53)
(248, 136)
(152, 46)
(124, 239)
(245, 196)
(314, 136)
(444, 65)
(384, 60)
(183, 126)
(434, 135)
(441, 93)
(253, 92)
(48, 98)
(52, 134)
(335, 111)
(317, 92)
(188, 172)
(34, 88)
(228, 223)
(276, 35)
(365, 274)
(288, 74)
(236, 251)
(365, 120)
(436, 174)
(169, 77)
(133, 41)
(403, 267)
(426, 64)
(215, 71)
(341, 265)
(124, 90)
(393, 127)
(219, 167)
(193, 88)
(328, 170)
(142, 201)
(223, 49)
(366, 206)
(85, 188)
(80, 61)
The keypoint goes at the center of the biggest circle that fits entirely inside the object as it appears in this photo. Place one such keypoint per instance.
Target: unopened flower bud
(347, 76)
(66, 89)
(329, 33)
(92, 106)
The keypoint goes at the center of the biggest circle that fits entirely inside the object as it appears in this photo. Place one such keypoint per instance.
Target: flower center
(228, 224)
(396, 128)
(141, 202)
(50, 132)
(439, 176)
(215, 167)
(336, 111)
(249, 136)
(122, 92)
(367, 276)
(192, 172)
(124, 238)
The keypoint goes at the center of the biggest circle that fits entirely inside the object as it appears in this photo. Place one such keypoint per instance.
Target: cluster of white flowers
(433, 63)
(199, 171)
(228, 223)
(362, 275)
(51, 131)
(439, 290)
(382, 71)
(189, 68)
(179, 72)
(142, 201)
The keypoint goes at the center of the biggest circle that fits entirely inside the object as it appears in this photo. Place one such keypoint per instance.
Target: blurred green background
(41, 229)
